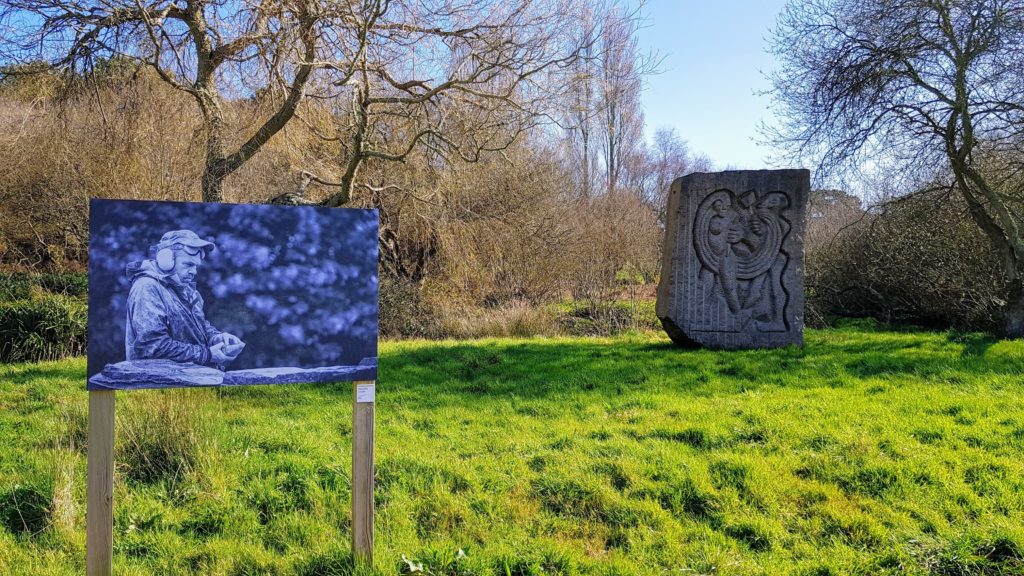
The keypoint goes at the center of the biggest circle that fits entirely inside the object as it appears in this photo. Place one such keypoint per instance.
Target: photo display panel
(207, 294)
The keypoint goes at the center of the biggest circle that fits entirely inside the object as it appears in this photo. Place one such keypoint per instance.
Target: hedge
(47, 327)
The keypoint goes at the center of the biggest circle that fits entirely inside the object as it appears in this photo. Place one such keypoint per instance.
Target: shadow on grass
(432, 374)
(31, 373)
(437, 373)
(974, 343)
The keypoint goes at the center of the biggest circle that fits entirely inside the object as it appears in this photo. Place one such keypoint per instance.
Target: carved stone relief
(732, 275)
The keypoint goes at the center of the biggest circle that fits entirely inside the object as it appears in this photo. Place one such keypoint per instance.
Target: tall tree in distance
(604, 120)
(621, 82)
(930, 88)
(668, 158)
(583, 104)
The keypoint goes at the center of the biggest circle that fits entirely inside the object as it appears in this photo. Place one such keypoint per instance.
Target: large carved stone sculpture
(732, 266)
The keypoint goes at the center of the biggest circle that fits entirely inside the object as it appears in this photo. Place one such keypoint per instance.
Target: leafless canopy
(369, 59)
(933, 89)
(214, 51)
(456, 79)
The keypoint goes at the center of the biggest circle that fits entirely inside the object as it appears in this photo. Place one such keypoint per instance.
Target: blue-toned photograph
(201, 294)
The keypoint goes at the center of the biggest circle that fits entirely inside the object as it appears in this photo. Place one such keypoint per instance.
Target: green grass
(867, 452)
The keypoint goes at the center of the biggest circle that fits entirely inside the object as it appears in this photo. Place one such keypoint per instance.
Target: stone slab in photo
(292, 375)
(133, 374)
(155, 374)
(732, 272)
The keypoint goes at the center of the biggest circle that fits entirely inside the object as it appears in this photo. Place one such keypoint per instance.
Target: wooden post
(362, 471)
(99, 517)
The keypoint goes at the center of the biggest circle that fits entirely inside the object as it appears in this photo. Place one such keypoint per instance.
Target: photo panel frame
(205, 294)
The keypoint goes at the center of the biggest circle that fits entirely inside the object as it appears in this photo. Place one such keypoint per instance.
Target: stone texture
(290, 375)
(732, 272)
(169, 374)
(154, 374)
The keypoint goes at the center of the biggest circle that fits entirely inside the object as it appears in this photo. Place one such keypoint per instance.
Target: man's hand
(226, 338)
(226, 347)
(220, 358)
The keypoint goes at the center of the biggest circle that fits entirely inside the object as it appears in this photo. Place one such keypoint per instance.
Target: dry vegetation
(481, 246)
(516, 226)
(916, 259)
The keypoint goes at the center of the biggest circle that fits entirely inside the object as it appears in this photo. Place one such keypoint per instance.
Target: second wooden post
(362, 471)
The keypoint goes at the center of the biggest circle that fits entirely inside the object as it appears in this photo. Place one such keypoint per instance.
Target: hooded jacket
(165, 318)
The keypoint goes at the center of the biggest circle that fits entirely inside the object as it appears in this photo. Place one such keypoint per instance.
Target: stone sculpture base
(732, 266)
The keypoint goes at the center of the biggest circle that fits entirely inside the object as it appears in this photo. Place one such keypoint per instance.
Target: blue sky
(714, 52)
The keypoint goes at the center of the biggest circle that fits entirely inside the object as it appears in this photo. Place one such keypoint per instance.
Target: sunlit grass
(866, 452)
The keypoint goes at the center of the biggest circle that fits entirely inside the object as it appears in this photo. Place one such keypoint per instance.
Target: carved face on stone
(719, 207)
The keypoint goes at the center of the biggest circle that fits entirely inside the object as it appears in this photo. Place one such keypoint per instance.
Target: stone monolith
(732, 271)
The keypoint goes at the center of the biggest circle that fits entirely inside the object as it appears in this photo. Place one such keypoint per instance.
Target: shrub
(48, 327)
(513, 320)
(15, 286)
(68, 284)
(605, 318)
(918, 260)
(402, 313)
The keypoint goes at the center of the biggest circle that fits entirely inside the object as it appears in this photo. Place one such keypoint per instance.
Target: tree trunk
(361, 112)
(1013, 313)
(213, 180)
(219, 163)
(997, 223)
(215, 169)
(586, 162)
(348, 181)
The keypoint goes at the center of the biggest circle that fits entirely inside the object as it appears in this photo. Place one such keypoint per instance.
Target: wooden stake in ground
(99, 517)
(362, 471)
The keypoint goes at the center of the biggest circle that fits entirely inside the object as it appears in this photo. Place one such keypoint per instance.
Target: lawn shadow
(31, 373)
(469, 372)
(974, 343)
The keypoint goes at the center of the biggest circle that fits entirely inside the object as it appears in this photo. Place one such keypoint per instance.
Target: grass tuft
(25, 509)
(160, 436)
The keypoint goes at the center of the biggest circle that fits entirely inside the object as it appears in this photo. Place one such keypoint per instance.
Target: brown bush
(918, 260)
(126, 136)
(494, 235)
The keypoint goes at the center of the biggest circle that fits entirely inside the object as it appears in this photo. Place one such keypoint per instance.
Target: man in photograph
(165, 311)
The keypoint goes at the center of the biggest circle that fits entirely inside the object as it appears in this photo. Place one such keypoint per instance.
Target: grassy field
(867, 452)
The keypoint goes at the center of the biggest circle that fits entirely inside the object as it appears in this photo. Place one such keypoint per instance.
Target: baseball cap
(185, 238)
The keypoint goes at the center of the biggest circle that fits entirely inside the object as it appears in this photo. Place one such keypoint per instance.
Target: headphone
(165, 259)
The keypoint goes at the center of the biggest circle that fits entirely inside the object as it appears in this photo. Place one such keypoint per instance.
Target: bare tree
(210, 50)
(406, 61)
(921, 86)
(668, 158)
(583, 105)
(603, 119)
(621, 81)
(454, 79)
